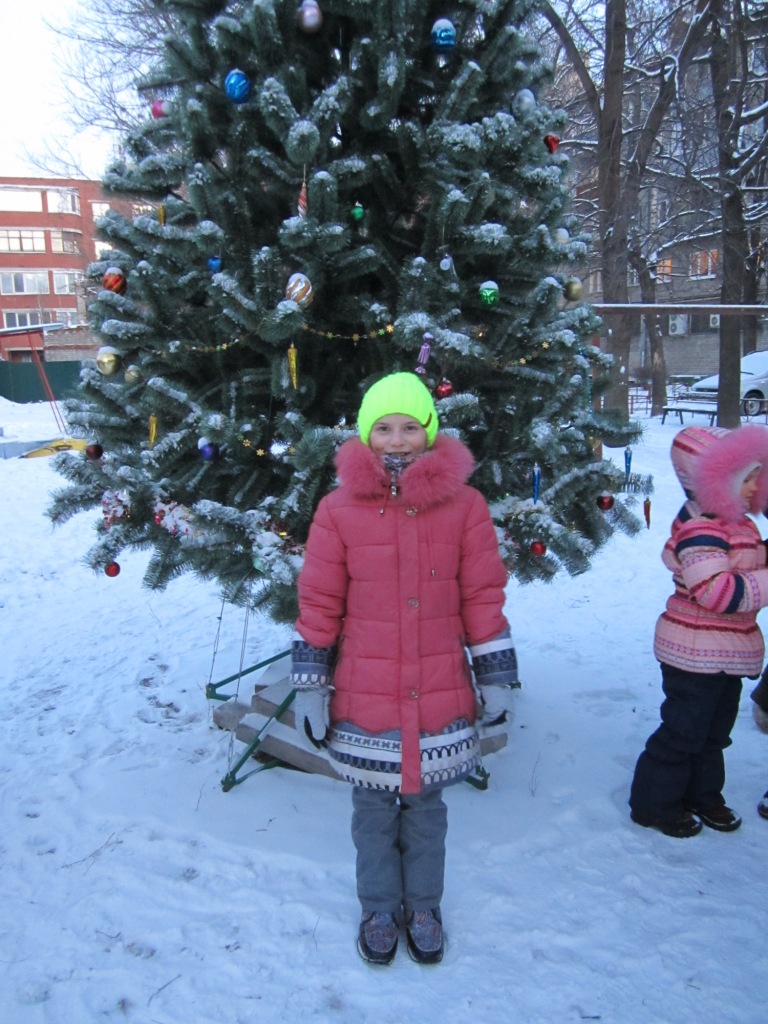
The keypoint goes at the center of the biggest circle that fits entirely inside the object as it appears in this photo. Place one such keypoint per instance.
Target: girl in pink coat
(707, 638)
(402, 574)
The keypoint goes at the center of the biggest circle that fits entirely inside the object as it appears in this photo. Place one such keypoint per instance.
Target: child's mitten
(310, 707)
(498, 704)
(495, 667)
(311, 671)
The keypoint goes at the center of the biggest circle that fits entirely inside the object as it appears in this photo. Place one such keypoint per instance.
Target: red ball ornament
(94, 451)
(551, 142)
(159, 109)
(112, 569)
(538, 548)
(444, 389)
(605, 502)
(114, 280)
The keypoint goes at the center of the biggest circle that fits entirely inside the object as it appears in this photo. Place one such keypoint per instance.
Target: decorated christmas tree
(329, 192)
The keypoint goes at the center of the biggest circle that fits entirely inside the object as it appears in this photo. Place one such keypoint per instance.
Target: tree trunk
(658, 374)
(612, 217)
(726, 81)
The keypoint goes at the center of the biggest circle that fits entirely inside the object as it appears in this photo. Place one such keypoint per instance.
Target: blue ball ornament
(214, 264)
(209, 451)
(237, 86)
(443, 35)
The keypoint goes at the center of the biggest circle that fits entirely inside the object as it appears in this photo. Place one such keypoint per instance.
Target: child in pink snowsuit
(707, 638)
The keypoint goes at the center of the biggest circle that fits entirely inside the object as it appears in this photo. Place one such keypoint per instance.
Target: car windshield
(755, 363)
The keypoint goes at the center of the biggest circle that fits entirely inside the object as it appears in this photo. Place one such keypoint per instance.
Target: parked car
(754, 384)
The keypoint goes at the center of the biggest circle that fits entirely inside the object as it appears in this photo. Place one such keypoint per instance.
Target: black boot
(760, 693)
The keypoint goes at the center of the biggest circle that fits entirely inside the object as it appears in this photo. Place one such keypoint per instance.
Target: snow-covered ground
(135, 889)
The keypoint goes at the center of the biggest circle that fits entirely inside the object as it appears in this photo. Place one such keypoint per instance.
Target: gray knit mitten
(311, 672)
(495, 666)
(310, 708)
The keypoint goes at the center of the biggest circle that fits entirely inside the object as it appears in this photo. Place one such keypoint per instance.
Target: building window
(63, 200)
(102, 248)
(20, 318)
(65, 282)
(21, 200)
(65, 241)
(704, 264)
(19, 283)
(594, 282)
(29, 317)
(99, 210)
(633, 278)
(21, 240)
(68, 317)
(664, 271)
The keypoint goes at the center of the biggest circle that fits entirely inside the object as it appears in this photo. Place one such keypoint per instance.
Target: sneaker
(720, 818)
(377, 938)
(424, 930)
(762, 807)
(682, 827)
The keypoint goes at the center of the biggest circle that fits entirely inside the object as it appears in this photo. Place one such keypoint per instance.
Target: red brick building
(47, 241)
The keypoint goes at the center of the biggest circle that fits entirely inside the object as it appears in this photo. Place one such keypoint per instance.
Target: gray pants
(400, 843)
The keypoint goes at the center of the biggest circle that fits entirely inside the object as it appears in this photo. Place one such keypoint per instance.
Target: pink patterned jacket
(716, 555)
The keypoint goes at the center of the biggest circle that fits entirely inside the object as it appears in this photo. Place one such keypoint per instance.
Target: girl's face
(749, 486)
(397, 434)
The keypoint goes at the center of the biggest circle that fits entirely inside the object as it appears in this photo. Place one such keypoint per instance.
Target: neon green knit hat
(401, 393)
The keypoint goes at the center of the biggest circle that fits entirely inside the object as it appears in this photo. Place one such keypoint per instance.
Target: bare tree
(107, 48)
(625, 121)
(739, 105)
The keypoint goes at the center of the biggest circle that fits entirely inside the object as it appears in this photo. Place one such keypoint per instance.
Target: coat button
(413, 602)
(413, 694)
(411, 511)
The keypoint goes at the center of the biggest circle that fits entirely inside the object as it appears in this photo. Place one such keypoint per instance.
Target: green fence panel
(20, 382)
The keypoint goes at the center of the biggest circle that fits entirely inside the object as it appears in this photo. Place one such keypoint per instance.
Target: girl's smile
(397, 434)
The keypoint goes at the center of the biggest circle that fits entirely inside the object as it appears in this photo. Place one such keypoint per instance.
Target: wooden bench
(680, 407)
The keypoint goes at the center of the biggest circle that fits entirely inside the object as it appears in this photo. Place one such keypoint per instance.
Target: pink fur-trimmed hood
(711, 463)
(432, 479)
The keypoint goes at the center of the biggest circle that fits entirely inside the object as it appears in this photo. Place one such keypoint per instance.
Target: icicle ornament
(536, 481)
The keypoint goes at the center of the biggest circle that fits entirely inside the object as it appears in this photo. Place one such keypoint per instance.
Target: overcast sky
(32, 100)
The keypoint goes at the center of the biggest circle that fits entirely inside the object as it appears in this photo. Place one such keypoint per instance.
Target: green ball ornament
(489, 293)
(357, 213)
(573, 289)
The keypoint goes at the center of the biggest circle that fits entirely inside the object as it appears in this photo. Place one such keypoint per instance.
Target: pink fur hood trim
(711, 463)
(434, 478)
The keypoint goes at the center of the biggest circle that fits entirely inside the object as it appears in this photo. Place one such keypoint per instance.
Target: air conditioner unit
(678, 323)
(714, 319)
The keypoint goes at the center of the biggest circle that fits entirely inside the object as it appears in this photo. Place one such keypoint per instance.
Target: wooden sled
(267, 725)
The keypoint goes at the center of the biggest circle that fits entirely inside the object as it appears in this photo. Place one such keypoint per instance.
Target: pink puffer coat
(402, 583)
